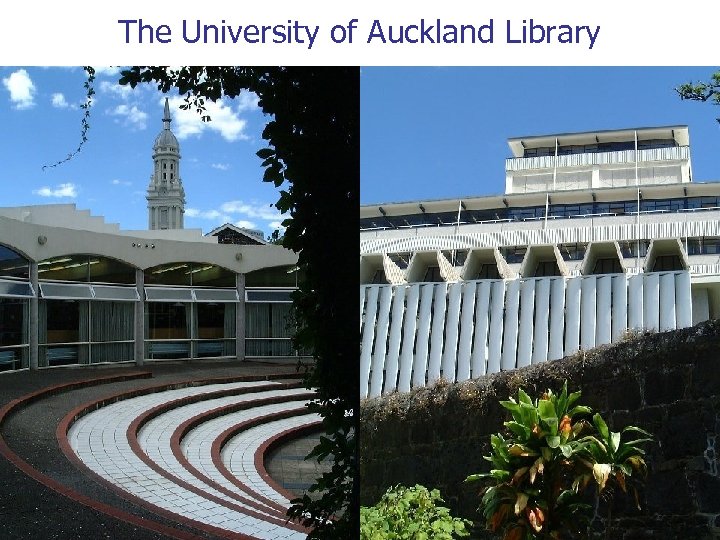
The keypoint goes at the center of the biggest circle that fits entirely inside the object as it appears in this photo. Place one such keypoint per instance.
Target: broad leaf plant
(544, 470)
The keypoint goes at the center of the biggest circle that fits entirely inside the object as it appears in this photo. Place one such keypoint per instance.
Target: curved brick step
(106, 441)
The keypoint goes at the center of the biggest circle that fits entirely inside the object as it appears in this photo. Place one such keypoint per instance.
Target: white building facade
(596, 234)
(77, 290)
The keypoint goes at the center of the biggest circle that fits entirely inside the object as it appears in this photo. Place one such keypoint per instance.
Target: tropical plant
(410, 514)
(544, 469)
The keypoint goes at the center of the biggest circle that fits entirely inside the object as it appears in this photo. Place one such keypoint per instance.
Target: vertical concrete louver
(414, 334)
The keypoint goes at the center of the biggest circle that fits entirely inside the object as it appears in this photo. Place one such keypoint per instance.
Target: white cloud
(59, 101)
(276, 225)
(212, 215)
(116, 90)
(22, 89)
(62, 190)
(245, 224)
(220, 166)
(252, 209)
(224, 121)
(248, 215)
(110, 71)
(116, 182)
(247, 101)
(131, 116)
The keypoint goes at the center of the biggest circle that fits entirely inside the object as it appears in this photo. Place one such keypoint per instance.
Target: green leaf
(520, 430)
(546, 409)
(524, 398)
(553, 441)
(579, 409)
(614, 441)
(566, 450)
(601, 426)
(638, 430)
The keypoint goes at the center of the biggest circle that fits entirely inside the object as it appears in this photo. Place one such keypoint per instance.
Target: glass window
(62, 321)
(166, 294)
(211, 275)
(513, 254)
(14, 289)
(187, 274)
(546, 268)
(268, 330)
(667, 263)
(610, 265)
(432, 275)
(12, 264)
(629, 248)
(167, 320)
(277, 276)
(169, 274)
(13, 326)
(268, 295)
(216, 295)
(572, 252)
(488, 271)
(86, 268)
(211, 320)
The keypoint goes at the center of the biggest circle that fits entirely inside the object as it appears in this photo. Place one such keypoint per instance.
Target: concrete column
(240, 318)
(140, 318)
(33, 316)
(192, 313)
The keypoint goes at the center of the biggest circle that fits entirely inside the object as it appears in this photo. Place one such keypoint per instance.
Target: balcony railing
(599, 158)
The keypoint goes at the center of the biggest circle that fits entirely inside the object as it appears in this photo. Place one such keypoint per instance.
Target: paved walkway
(189, 459)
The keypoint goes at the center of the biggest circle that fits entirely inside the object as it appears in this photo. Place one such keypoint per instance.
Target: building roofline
(530, 199)
(678, 132)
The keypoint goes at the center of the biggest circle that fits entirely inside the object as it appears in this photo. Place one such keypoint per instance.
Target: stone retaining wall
(667, 383)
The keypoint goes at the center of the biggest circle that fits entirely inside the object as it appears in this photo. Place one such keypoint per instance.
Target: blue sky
(41, 125)
(434, 133)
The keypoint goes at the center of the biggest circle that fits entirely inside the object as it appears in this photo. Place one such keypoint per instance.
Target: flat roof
(679, 133)
(519, 200)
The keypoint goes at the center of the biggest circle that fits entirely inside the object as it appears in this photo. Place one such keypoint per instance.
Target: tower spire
(166, 116)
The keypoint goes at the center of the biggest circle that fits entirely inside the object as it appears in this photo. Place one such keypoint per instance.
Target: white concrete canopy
(600, 250)
(482, 256)
(539, 254)
(665, 247)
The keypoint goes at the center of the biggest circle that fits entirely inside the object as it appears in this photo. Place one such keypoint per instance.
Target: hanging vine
(85, 121)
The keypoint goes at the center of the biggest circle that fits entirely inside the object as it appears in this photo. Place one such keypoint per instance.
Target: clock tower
(165, 194)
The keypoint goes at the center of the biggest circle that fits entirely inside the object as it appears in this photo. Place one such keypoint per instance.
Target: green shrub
(410, 514)
(549, 459)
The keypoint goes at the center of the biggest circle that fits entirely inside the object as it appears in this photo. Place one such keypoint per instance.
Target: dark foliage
(313, 158)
